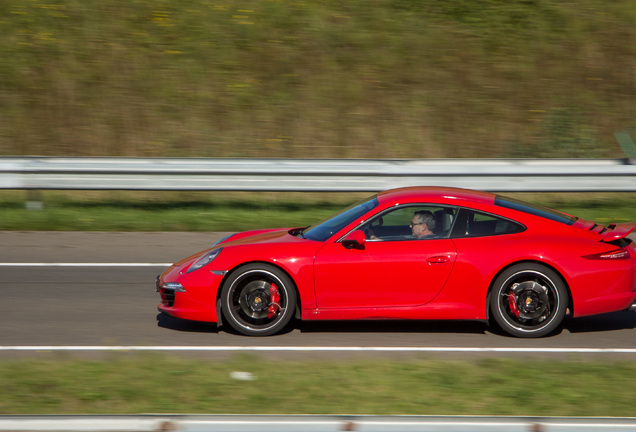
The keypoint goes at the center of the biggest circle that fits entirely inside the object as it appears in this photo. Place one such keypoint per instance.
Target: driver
(422, 224)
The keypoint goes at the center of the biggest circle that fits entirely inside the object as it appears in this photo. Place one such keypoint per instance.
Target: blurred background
(293, 79)
(320, 78)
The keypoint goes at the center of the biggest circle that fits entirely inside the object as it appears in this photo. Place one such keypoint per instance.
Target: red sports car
(412, 253)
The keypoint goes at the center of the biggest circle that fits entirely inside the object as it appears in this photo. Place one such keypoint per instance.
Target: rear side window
(533, 209)
(476, 224)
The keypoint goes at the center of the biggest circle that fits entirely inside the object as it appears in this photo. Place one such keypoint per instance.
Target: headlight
(204, 259)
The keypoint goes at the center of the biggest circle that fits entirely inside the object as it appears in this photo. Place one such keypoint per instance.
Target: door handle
(438, 259)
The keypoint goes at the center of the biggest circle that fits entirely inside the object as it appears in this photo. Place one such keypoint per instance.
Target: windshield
(533, 209)
(328, 227)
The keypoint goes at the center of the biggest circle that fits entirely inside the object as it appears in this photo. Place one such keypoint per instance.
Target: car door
(398, 271)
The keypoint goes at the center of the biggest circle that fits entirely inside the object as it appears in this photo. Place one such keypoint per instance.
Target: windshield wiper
(301, 233)
(298, 232)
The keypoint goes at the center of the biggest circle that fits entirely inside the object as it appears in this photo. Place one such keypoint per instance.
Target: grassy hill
(319, 78)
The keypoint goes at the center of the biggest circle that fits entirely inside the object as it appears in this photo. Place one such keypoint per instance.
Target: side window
(483, 224)
(431, 222)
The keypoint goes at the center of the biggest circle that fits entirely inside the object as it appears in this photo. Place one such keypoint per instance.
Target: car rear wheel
(529, 300)
(258, 300)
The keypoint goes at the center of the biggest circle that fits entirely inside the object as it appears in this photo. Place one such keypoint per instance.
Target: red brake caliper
(274, 300)
(512, 302)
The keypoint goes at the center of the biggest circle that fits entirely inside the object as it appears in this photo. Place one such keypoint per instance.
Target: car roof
(446, 195)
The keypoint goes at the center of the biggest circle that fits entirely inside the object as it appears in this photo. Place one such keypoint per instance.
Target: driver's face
(418, 229)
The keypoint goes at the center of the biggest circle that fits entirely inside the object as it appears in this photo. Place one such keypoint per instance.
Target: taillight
(619, 254)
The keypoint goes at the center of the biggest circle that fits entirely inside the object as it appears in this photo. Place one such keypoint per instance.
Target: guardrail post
(626, 142)
(167, 426)
(349, 426)
(34, 200)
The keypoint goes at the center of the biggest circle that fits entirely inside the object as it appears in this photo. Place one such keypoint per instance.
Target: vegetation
(129, 384)
(320, 78)
(144, 211)
(204, 211)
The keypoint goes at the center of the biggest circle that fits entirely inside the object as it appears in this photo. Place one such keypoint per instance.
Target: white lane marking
(321, 348)
(84, 265)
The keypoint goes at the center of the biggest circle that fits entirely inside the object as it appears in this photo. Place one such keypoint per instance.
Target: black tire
(245, 298)
(529, 300)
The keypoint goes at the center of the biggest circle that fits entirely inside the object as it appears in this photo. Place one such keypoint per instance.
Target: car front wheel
(258, 300)
(529, 300)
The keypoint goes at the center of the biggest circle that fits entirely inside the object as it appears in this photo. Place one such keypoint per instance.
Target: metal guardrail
(315, 175)
(312, 423)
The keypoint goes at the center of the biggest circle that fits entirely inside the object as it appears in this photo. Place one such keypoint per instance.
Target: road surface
(94, 303)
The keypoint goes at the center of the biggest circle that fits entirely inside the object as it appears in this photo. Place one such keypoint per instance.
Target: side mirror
(354, 240)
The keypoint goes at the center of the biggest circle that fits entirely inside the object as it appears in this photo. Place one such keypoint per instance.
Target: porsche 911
(417, 253)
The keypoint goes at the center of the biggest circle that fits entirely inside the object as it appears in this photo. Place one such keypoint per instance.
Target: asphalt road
(116, 306)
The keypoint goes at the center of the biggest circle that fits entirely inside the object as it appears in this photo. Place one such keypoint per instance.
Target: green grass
(319, 78)
(133, 211)
(137, 211)
(127, 383)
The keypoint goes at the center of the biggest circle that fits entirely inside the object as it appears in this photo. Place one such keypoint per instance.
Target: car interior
(395, 225)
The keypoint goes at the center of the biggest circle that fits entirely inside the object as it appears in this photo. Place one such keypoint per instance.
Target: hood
(279, 235)
(261, 236)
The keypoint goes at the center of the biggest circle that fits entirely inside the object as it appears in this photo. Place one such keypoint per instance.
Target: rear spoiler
(612, 231)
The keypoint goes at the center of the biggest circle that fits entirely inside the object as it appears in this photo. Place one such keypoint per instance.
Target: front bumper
(190, 296)
(168, 291)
